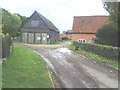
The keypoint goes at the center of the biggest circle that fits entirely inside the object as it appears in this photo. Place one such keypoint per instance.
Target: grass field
(95, 57)
(25, 69)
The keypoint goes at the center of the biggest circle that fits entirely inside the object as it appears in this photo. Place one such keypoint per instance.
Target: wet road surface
(73, 70)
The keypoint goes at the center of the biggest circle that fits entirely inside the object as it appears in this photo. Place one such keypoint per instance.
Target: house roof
(88, 24)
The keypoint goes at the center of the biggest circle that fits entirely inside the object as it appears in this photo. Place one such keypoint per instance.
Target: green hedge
(102, 50)
(6, 46)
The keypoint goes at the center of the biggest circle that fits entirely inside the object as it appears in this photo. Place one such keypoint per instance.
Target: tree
(0, 21)
(23, 18)
(15, 25)
(113, 10)
(107, 35)
(5, 20)
(10, 23)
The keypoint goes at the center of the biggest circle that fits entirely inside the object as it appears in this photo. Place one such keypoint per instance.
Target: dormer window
(34, 23)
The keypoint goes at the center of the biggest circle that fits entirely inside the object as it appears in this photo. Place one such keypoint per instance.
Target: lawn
(95, 57)
(25, 69)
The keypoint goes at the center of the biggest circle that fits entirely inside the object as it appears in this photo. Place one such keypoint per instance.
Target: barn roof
(47, 22)
(88, 24)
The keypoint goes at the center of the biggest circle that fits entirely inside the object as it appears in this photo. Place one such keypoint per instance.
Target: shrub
(107, 35)
(6, 46)
(66, 38)
(102, 50)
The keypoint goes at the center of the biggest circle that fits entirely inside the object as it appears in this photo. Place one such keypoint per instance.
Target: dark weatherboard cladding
(38, 29)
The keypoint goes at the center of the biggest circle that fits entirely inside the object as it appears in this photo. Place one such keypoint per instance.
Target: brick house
(85, 27)
(38, 29)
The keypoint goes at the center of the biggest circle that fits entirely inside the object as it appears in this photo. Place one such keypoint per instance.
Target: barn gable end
(38, 29)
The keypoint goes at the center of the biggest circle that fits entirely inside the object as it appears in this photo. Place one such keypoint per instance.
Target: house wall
(87, 37)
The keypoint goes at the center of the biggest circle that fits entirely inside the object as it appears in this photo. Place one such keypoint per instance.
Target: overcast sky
(60, 12)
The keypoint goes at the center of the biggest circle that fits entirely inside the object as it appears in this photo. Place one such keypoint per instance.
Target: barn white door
(24, 37)
(30, 37)
(44, 37)
(37, 38)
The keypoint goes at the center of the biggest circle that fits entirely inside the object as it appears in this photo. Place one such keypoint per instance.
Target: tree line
(108, 34)
(11, 23)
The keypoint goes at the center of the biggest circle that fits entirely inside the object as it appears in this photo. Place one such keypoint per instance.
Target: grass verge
(25, 69)
(95, 57)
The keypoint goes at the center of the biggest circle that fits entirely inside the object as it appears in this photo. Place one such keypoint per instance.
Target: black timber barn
(38, 29)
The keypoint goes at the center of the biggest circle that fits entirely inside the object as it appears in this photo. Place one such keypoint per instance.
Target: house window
(82, 40)
(34, 23)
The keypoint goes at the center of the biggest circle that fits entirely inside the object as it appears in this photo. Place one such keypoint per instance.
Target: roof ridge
(43, 19)
(94, 16)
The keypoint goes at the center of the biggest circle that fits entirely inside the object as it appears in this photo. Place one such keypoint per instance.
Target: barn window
(34, 23)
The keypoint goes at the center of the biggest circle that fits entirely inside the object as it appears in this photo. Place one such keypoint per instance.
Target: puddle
(60, 56)
(64, 50)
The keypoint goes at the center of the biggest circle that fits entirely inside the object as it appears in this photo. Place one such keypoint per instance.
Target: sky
(60, 12)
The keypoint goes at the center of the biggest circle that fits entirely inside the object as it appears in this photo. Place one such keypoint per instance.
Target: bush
(66, 38)
(102, 50)
(6, 46)
(107, 35)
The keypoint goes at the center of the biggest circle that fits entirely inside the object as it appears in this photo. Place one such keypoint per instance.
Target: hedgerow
(102, 50)
(6, 45)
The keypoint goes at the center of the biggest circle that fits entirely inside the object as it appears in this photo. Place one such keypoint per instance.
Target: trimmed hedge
(6, 46)
(65, 38)
(102, 50)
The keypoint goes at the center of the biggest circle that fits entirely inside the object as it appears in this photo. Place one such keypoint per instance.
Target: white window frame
(82, 40)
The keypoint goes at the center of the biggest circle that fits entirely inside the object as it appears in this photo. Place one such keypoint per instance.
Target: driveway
(74, 70)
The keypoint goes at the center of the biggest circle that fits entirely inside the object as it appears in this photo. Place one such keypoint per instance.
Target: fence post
(0, 48)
